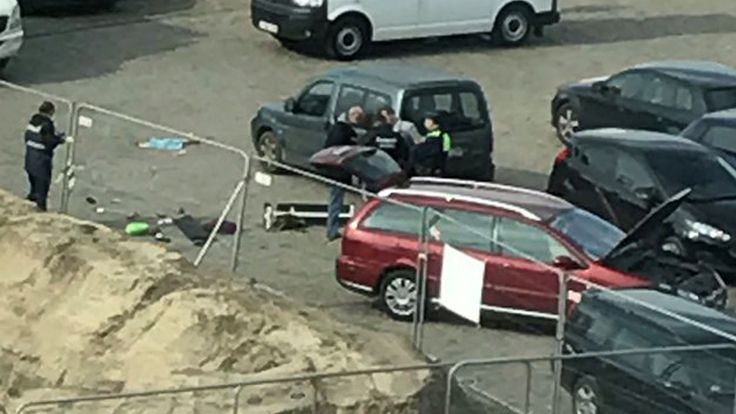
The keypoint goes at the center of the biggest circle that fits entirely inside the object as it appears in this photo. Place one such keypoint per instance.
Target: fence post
(528, 396)
(235, 258)
(69, 159)
(560, 338)
(421, 277)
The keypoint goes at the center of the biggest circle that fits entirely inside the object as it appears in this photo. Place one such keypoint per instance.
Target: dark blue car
(718, 131)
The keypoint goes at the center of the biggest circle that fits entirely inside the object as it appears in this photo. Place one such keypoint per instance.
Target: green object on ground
(137, 228)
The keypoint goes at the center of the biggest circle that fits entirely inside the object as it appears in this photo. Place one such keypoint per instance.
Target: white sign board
(461, 284)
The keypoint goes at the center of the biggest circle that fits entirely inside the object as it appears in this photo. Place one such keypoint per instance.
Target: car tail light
(562, 155)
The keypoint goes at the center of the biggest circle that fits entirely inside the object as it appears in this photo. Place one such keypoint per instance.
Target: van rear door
(464, 115)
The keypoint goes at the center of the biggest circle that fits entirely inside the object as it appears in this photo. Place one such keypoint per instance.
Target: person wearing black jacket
(41, 140)
(386, 138)
(342, 133)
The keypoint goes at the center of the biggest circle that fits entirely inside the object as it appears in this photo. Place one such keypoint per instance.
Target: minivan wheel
(347, 38)
(399, 294)
(513, 26)
(270, 149)
(567, 121)
(586, 397)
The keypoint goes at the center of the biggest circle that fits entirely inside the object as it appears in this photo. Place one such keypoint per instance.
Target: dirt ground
(200, 66)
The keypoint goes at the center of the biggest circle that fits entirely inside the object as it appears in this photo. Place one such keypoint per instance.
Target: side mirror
(566, 263)
(289, 105)
(600, 87)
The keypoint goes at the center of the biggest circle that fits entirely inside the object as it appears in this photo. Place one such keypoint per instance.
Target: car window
(394, 218)
(626, 338)
(349, 96)
(514, 236)
(719, 99)
(375, 101)
(660, 91)
(721, 137)
(630, 173)
(602, 328)
(629, 84)
(461, 228)
(459, 109)
(315, 100)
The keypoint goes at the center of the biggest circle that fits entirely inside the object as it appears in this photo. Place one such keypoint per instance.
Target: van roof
(397, 75)
(532, 204)
(666, 304)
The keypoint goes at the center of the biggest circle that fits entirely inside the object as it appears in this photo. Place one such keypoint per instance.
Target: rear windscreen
(458, 108)
(719, 99)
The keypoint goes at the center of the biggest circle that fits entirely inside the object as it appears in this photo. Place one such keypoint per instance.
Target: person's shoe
(334, 238)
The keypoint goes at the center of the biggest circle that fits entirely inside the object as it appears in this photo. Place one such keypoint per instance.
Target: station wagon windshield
(714, 177)
(595, 236)
(461, 108)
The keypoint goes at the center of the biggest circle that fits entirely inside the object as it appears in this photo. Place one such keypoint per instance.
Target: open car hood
(372, 166)
(643, 231)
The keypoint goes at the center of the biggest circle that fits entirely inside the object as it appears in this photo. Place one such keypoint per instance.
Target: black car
(658, 96)
(694, 382)
(292, 131)
(716, 130)
(39, 6)
(621, 175)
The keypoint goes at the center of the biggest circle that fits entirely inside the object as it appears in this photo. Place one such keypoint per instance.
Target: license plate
(269, 27)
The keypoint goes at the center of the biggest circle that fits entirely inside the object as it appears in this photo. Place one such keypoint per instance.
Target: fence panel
(18, 105)
(128, 170)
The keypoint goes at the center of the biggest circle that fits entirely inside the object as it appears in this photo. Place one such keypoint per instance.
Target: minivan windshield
(719, 99)
(459, 108)
(715, 178)
(595, 236)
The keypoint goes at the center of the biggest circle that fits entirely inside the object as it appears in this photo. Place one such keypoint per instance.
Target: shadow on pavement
(574, 32)
(521, 178)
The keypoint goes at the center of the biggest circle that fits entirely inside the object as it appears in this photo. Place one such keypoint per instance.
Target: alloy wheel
(401, 296)
(567, 123)
(585, 400)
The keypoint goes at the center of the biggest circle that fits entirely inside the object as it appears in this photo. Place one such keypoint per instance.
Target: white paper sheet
(461, 286)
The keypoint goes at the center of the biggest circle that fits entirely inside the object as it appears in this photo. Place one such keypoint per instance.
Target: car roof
(705, 73)
(639, 139)
(394, 75)
(725, 115)
(531, 204)
(665, 305)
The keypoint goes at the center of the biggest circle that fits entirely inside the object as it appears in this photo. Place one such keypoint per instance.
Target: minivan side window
(370, 101)
(462, 108)
(315, 100)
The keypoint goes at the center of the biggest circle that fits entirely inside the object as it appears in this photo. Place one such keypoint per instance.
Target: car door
(392, 19)
(438, 18)
(306, 126)
(614, 103)
(523, 279)
(669, 105)
(371, 101)
(632, 192)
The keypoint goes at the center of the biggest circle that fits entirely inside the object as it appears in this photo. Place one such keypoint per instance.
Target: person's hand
(68, 140)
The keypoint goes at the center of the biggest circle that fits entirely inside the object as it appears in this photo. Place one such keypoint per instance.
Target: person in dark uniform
(342, 133)
(41, 140)
(431, 155)
(386, 138)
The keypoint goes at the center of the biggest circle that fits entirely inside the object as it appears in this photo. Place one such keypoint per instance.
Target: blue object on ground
(169, 144)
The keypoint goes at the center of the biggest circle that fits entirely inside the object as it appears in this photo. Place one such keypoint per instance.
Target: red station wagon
(380, 246)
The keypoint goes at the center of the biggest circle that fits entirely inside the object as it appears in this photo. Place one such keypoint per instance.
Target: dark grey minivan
(292, 131)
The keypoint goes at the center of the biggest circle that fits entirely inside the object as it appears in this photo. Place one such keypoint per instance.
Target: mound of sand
(84, 309)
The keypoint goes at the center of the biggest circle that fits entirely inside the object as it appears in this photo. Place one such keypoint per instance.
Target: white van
(344, 28)
(11, 31)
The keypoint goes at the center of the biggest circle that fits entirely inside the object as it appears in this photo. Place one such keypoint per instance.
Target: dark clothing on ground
(385, 138)
(340, 134)
(41, 140)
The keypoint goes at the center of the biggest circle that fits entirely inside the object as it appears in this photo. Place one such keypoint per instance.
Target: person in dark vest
(384, 137)
(431, 155)
(41, 140)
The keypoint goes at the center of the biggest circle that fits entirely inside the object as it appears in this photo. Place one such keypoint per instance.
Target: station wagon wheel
(347, 38)
(399, 294)
(586, 397)
(512, 26)
(567, 122)
(270, 149)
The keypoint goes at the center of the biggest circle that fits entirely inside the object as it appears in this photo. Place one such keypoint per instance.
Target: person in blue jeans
(342, 133)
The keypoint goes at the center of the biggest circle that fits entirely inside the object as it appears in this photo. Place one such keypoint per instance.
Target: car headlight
(696, 230)
(308, 3)
(15, 20)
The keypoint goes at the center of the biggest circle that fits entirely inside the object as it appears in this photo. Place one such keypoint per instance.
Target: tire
(513, 26)
(398, 294)
(567, 121)
(270, 149)
(347, 39)
(586, 397)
